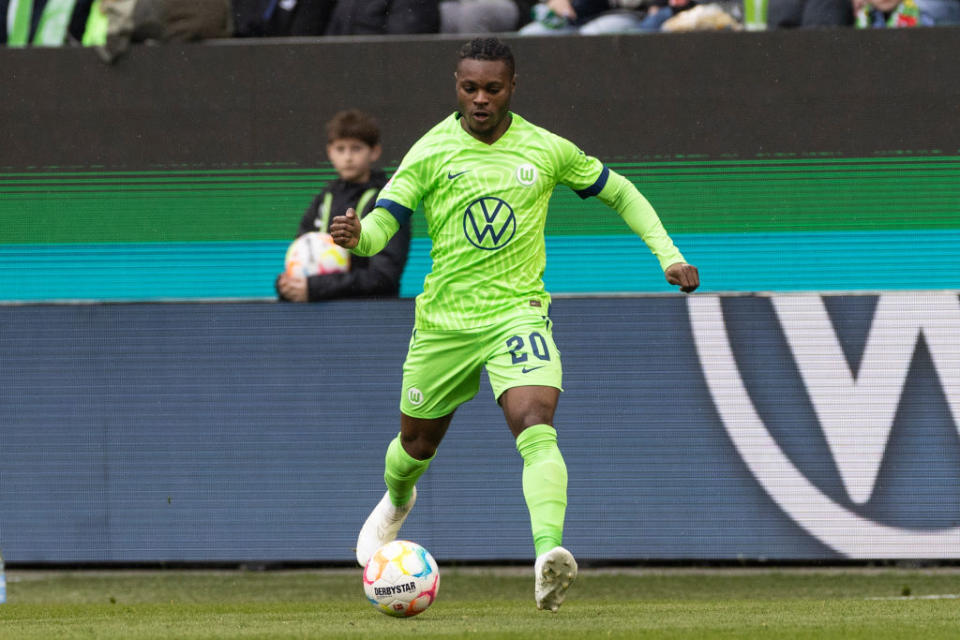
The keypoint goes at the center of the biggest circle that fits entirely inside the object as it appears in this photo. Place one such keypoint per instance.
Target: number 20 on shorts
(518, 350)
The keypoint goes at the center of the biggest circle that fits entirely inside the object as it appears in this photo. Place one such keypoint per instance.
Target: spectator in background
(659, 11)
(906, 13)
(687, 15)
(112, 25)
(586, 17)
(88, 25)
(484, 16)
(353, 146)
(862, 13)
(41, 23)
(383, 17)
(809, 13)
(275, 18)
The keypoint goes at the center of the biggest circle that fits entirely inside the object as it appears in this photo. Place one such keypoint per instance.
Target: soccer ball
(314, 254)
(401, 579)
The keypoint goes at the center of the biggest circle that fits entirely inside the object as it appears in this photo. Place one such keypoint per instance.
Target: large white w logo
(856, 411)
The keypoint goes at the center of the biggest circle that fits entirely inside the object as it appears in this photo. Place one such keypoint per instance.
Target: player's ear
(375, 152)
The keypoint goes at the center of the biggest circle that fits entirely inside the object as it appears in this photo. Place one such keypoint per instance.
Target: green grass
(473, 603)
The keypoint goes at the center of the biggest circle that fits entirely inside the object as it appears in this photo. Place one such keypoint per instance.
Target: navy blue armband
(597, 186)
(397, 210)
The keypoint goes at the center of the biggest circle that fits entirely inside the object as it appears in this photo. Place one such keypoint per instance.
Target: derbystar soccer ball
(401, 579)
(314, 254)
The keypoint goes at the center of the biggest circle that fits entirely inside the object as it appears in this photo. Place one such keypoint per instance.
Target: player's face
(352, 158)
(484, 89)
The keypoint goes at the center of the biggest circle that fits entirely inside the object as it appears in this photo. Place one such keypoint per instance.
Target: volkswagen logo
(854, 407)
(489, 223)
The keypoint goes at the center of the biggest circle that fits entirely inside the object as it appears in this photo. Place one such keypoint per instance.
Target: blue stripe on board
(815, 261)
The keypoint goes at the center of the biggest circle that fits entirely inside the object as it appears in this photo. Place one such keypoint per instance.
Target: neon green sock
(544, 484)
(401, 472)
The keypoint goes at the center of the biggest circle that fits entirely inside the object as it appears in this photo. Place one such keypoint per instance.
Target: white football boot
(382, 526)
(555, 571)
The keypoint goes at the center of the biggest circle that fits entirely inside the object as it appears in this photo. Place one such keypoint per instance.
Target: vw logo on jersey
(489, 223)
(825, 394)
(526, 174)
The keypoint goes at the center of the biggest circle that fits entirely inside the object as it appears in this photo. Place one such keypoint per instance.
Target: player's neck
(492, 136)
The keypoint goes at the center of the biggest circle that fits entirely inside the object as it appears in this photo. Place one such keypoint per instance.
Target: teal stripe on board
(750, 262)
(761, 262)
(139, 271)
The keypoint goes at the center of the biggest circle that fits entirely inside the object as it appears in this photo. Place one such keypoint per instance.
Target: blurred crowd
(111, 25)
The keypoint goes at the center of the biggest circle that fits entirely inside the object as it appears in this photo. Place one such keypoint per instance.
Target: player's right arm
(368, 237)
(396, 202)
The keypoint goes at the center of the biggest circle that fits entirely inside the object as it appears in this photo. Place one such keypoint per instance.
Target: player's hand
(292, 288)
(345, 229)
(683, 275)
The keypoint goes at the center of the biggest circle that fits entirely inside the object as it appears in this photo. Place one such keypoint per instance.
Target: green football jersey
(486, 209)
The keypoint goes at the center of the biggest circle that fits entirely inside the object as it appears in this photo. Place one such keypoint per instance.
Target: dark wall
(832, 91)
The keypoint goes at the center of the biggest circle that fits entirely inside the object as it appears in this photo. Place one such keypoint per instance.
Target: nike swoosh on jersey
(528, 370)
(453, 176)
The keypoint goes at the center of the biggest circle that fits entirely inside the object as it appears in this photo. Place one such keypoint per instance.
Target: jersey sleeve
(403, 192)
(584, 174)
(640, 216)
(376, 229)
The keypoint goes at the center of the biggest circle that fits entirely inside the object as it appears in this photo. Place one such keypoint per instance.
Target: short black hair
(488, 49)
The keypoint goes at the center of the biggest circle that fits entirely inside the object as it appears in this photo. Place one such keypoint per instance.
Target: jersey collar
(514, 118)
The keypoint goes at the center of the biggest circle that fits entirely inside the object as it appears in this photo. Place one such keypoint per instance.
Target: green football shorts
(442, 369)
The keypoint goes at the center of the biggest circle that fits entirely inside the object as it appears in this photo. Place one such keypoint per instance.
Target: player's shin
(402, 472)
(544, 485)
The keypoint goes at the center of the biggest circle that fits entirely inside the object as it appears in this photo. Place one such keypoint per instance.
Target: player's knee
(528, 412)
(530, 415)
(530, 405)
(532, 420)
(418, 446)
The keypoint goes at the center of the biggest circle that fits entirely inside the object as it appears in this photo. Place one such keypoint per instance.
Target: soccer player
(485, 176)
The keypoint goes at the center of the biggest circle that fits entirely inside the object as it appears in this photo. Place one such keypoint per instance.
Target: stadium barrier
(784, 427)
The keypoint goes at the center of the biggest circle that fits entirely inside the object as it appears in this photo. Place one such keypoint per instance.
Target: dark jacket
(376, 276)
(272, 19)
(380, 17)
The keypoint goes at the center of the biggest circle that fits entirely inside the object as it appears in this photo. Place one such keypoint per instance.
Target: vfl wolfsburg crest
(526, 174)
(489, 223)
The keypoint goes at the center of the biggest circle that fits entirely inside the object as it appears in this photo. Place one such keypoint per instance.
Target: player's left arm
(621, 195)
(587, 176)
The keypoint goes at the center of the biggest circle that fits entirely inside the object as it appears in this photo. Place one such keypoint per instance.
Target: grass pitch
(487, 603)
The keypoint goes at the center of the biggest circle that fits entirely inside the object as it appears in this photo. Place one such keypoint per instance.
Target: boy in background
(353, 146)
